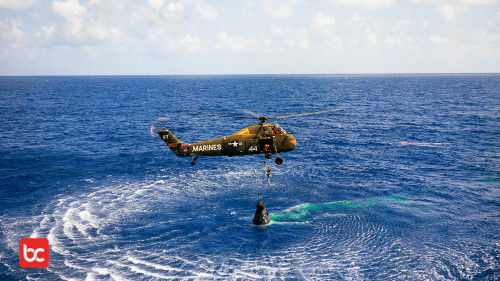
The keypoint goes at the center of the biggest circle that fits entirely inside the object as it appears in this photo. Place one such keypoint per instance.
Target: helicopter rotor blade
(262, 119)
(249, 112)
(302, 114)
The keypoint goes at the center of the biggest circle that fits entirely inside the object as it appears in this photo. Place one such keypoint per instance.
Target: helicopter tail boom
(173, 143)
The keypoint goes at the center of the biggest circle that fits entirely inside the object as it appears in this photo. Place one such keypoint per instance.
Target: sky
(183, 37)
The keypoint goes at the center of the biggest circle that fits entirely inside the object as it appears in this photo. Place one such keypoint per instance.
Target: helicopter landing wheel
(279, 160)
(193, 162)
(269, 154)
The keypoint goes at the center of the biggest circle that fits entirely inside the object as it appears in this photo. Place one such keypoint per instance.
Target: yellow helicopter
(264, 138)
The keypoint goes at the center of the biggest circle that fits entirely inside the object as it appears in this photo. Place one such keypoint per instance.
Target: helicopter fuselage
(263, 138)
(257, 139)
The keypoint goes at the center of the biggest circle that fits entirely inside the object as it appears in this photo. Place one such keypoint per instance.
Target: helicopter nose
(291, 142)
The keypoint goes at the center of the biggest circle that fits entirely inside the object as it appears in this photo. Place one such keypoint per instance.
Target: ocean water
(402, 184)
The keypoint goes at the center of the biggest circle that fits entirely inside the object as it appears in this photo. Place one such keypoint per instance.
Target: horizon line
(256, 74)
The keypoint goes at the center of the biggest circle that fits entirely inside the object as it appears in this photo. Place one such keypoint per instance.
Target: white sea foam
(343, 243)
(148, 273)
(154, 265)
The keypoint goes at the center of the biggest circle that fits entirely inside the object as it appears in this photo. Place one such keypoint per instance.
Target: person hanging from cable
(268, 174)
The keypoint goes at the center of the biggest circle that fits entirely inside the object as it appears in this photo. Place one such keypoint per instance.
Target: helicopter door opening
(265, 144)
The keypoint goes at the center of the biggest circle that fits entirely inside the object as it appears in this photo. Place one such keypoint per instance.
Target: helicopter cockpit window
(281, 130)
(278, 130)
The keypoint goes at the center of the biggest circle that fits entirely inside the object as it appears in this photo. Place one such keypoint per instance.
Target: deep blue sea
(402, 184)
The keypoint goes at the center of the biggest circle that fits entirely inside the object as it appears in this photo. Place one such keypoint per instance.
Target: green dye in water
(490, 180)
(301, 212)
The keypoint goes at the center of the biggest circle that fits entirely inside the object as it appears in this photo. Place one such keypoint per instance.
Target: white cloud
(103, 32)
(371, 38)
(11, 30)
(325, 32)
(46, 33)
(101, 26)
(74, 13)
(69, 9)
(227, 42)
(173, 13)
(156, 21)
(452, 10)
(277, 9)
(86, 24)
(16, 4)
(490, 43)
(357, 18)
(160, 14)
(451, 13)
(365, 4)
(393, 41)
(103, 9)
(401, 24)
(335, 43)
(280, 30)
(288, 39)
(425, 23)
(187, 45)
(323, 20)
(477, 2)
(367, 32)
(207, 12)
(457, 2)
(156, 4)
(437, 39)
(304, 44)
(241, 44)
